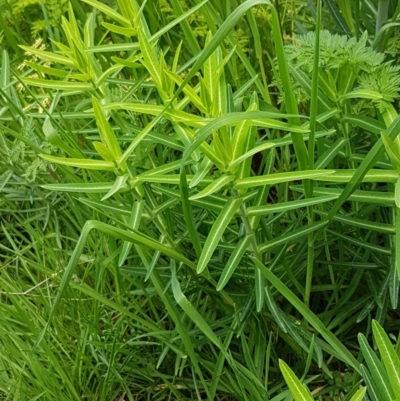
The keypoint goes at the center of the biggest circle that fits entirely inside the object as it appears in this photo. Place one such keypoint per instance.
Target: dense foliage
(199, 200)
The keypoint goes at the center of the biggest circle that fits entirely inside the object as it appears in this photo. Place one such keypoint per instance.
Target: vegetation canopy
(200, 200)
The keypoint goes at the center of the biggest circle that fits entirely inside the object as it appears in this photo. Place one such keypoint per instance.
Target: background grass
(191, 191)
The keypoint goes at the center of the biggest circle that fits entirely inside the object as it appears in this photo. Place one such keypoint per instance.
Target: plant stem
(311, 150)
(383, 8)
(247, 226)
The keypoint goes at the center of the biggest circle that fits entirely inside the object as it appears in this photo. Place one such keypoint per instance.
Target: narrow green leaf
(104, 151)
(58, 85)
(389, 356)
(188, 91)
(286, 206)
(55, 58)
(330, 153)
(240, 134)
(112, 70)
(213, 187)
(376, 175)
(204, 168)
(134, 222)
(176, 116)
(217, 231)
(298, 390)
(375, 197)
(119, 183)
(372, 390)
(367, 123)
(279, 178)
(128, 32)
(359, 395)
(169, 179)
(150, 60)
(90, 188)
(163, 169)
(292, 236)
(257, 149)
(109, 208)
(276, 312)
(52, 136)
(5, 73)
(361, 223)
(106, 133)
(188, 213)
(362, 94)
(376, 370)
(397, 241)
(81, 163)
(233, 261)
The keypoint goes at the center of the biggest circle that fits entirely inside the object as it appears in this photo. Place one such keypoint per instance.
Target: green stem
(311, 151)
(259, 280)
(357, 18)
(247, 226)
(383, 8)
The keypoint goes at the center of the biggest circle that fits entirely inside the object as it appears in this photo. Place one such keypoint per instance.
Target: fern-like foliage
(336, 51)
(385, 79)
(345, 60)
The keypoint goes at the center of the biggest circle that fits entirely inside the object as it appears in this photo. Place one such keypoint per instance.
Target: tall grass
(191, 193)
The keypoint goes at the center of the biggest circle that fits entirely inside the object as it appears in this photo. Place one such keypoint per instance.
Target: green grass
(196, 195)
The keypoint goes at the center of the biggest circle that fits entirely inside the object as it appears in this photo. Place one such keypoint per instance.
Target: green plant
(181, 232)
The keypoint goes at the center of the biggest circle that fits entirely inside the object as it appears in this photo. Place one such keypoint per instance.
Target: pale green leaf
(359, 395)
(50, 56)
(217, 231)
(278, 178)
(234, 260)
(298, 390)
(388, 355)
(104, 151)
(89, 164)
(286, 206)
(60, 85)
(119, 183)
(214, 187)
(106, 133)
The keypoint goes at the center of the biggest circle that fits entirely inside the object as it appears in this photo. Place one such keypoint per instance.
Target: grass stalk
(311, 154)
